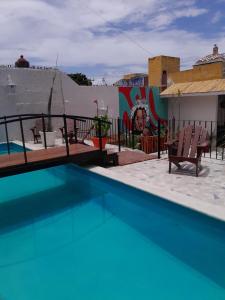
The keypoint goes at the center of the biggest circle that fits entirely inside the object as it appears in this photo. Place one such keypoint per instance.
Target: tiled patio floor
(205, 193)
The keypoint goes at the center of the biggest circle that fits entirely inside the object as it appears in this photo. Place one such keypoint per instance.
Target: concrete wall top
(198, 73)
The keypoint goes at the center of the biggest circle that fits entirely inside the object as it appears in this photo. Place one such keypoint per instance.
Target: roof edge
(193, 94)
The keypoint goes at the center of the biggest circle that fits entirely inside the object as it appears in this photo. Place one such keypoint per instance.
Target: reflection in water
(26, 221)
(46, 236)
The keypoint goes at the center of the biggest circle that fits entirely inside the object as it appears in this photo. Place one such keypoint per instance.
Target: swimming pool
(13, 148)
(66, 233)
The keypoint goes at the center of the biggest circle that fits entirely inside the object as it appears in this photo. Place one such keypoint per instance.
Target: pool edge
(174, 197)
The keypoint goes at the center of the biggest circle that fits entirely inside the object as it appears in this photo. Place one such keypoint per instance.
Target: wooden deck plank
(45, 156)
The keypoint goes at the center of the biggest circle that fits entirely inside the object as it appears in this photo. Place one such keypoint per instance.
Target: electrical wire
(118, 29)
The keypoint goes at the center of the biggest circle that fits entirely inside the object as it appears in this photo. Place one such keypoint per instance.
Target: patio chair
(71, 131)
(189, 148)
(35, 131)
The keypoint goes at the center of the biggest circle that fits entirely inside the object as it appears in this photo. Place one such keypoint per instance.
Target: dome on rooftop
(212, 58)
(22, 63)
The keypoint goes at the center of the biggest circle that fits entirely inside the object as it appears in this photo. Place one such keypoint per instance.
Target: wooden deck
(39, 159)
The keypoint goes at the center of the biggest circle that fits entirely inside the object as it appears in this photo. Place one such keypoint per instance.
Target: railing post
(100, 133)
(159, 139)
(7, 136)
(210, 148)
(132, 128)
(118, 128)
(75, 129)
(126, 125)
(173, 127)
(66, 136)
(23, 140)
(44, 130)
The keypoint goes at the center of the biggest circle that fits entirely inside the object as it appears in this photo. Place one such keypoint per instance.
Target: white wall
(83, 100)
(200, 108)
(31, 93)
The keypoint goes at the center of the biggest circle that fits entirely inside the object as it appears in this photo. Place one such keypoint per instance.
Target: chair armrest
(170, 143)
(204, 147)
(172, 147)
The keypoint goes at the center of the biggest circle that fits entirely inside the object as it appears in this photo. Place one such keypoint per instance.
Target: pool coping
(175, 197)
(19, 143)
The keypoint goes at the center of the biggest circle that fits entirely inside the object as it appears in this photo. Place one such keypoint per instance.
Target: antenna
(104, 81)
(57, 58)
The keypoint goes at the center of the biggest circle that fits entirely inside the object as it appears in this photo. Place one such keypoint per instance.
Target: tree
(80, 79)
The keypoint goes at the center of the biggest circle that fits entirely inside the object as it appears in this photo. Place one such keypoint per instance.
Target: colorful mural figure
(140, 116)
(143, 106)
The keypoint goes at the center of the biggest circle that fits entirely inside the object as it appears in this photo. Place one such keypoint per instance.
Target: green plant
(80, 79)
(105, 125)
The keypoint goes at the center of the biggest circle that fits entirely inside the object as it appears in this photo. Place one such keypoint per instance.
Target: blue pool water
(68, 234)
(13, 148)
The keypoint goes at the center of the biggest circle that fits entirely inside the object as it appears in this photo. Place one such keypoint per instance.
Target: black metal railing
(67, 137)
(120, 134)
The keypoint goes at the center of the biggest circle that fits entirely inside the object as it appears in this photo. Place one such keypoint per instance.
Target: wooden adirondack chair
(189, 148)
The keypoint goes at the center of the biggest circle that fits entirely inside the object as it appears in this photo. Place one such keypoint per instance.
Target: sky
(109, 38)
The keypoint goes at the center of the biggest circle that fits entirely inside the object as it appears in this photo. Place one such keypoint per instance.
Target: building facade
(165, 70)
(132, 80)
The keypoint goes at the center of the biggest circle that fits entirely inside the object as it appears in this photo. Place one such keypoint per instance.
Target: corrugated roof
(211, 58)
(216, 86)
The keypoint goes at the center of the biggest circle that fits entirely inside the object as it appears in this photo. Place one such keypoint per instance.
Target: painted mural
(144, 106)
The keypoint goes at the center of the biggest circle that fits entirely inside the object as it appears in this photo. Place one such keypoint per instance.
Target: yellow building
(165, 70)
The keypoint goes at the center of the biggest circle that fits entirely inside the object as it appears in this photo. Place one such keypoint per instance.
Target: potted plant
(101, 126)
(49, 132)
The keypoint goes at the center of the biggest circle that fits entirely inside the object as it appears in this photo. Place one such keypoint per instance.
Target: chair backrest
(70, 125)
(189, 138)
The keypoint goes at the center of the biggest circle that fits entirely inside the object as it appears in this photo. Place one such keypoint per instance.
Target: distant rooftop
(22, 63)
(212, 58)
(31, 67)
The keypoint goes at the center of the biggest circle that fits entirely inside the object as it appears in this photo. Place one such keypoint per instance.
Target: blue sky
(103, 38)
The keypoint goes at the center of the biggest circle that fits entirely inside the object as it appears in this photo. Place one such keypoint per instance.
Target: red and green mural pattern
(144, 106)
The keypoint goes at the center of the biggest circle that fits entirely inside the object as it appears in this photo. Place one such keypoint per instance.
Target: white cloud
(217, 17)
(166, 18)
(40, 29)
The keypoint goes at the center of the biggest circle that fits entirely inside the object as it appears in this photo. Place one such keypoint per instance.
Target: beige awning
(196, 88)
